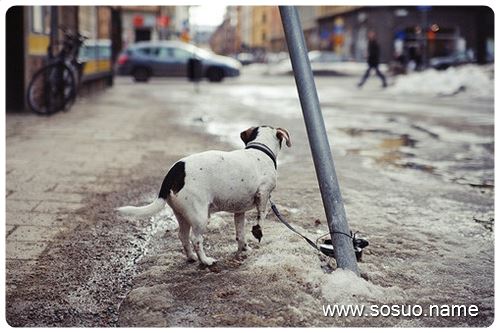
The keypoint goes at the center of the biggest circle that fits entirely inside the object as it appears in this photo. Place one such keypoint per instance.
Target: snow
(343, 68)
(429, 230)
(470, 79)
(344, 287)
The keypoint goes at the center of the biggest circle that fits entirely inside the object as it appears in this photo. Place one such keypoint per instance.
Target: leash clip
(326, 247)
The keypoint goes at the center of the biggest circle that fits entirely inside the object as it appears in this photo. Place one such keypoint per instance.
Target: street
(416, 175)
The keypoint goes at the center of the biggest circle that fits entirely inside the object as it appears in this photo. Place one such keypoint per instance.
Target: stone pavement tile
(47, 196)
(88, 188)
(18, 268)
(72, 178)
(36, 219)
(57, 207)
(9, 229)
(29, 233)
(16, 271)
(20, 174)
(21, 205)
(20, 186)
(24, 250)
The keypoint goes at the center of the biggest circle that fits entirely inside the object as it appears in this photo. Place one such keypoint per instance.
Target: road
(416, 174)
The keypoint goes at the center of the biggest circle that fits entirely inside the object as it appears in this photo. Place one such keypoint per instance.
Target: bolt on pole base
(318, 141)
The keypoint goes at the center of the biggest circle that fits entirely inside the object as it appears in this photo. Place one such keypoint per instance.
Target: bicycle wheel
(51, 89)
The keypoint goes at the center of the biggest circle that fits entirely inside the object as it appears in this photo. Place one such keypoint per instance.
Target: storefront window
(87, 21)
(40, 19)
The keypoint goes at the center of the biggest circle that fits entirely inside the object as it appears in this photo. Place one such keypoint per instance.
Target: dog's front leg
(239, 223)
(261, 200)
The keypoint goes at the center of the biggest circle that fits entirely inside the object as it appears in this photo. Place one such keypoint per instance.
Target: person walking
(373, 60)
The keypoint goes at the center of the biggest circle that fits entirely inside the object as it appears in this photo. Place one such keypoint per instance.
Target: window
(149, 51)
(175, 54)
(181, 54)
(165, 53)
(40, 19)
(87, 21)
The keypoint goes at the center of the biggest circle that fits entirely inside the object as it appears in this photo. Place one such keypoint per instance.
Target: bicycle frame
(61, 72)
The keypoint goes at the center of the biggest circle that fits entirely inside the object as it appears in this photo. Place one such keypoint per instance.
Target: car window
(148, 51)
(165, 53)
(181, 54)
(173, 53)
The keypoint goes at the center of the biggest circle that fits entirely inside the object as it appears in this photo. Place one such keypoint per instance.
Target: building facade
(226, 37)
(29, 34)
(245, 18)
(261, 26)
(416, 32)
(143, 23)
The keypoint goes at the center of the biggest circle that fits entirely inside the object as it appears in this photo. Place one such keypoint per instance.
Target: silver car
(144, 60)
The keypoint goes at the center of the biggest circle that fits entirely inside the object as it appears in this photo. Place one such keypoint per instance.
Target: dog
(214, 181)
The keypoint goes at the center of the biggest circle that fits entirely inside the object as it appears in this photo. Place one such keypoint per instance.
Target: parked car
(441, 63)
(246, 58)
(144, 60)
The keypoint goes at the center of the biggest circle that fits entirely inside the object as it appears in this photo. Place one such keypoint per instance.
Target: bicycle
(54, 86)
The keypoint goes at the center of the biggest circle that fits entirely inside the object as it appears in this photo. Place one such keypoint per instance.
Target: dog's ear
(281, 134)
(249, 134)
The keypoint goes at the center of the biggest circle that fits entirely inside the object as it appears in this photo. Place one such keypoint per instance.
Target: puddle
(388, 148)
(423, 150)
(395, 143)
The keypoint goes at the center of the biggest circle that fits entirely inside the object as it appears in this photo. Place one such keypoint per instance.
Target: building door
(14, 59)
(142, 34)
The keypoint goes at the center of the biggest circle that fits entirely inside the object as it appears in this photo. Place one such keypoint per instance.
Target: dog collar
(263, 148)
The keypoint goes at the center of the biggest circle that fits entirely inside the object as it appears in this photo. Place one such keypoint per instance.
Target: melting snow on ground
(470, 79)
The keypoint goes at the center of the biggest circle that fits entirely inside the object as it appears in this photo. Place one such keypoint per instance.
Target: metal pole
(318, 140)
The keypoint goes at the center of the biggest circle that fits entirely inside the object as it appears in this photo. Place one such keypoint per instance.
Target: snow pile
(343, 286)
(470, 79)
(342, 68)
(286, 256)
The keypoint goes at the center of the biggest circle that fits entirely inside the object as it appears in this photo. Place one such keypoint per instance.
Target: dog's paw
(244, 248)
(209, 261)
(191, 257)
(191, 260)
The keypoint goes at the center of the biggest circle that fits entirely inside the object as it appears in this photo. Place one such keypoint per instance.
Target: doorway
(14, 60)
(142, 34)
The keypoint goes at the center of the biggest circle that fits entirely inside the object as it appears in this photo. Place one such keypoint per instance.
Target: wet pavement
(416, 173)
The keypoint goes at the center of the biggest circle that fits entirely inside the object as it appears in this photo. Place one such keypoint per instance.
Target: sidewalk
(56, 165)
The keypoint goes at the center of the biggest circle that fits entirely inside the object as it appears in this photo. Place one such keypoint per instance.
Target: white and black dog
(215, 181)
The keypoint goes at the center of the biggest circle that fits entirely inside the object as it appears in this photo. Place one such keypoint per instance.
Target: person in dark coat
(373, 60)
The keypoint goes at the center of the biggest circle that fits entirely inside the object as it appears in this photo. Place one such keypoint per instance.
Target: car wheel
(215, 74)
(141, 74)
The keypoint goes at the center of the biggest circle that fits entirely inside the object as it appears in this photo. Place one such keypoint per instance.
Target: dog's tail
(147, 210)
(173, 182)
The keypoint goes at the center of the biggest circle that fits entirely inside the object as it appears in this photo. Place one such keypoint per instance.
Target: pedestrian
(373, 60)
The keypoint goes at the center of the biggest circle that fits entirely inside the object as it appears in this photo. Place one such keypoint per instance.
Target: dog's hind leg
(239, 223)
(199, 228)
(184, 230)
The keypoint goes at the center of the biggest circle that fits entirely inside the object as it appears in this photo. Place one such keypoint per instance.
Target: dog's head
(265, 133)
